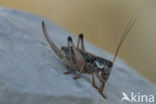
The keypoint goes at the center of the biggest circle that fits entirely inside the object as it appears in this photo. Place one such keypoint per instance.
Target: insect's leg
(79, 74)
(100, 89)
(80, 62)
(70, 53)
(82, 42)
(78, 42)
(99, 77)
(93, 81)
(78, 57)
(80, 38)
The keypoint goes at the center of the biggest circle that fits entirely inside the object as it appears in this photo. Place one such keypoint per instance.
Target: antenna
(125, 33)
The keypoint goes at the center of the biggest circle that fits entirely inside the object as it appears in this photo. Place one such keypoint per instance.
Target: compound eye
(99, 65)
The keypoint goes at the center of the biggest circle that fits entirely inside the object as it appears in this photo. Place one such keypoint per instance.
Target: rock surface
(30, 73)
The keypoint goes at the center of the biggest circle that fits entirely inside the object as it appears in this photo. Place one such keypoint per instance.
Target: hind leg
(80, 38)
(71, 61)
(79, 74)
(80, 62)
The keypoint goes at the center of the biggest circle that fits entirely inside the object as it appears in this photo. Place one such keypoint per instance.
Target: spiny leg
(93, 81)
(80, 38)
(70, 55)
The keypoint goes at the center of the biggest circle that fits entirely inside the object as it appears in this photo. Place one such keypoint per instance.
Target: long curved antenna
(51, 43)
(126, 31)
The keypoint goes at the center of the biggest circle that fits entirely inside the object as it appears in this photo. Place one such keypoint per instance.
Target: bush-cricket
(81, 61)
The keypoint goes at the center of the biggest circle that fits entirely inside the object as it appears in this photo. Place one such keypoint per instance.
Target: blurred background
(103, 22)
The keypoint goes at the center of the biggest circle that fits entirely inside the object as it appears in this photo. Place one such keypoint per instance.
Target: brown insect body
(81, 61)
(93, 63)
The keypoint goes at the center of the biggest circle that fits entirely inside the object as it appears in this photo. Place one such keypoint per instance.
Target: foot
(76, 77)
(95, 86)
(103, 95)
(68, 72)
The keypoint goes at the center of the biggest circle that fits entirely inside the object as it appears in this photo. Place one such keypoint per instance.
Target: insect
(81, 61)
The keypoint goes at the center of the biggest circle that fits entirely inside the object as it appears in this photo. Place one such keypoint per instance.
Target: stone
(30, 72)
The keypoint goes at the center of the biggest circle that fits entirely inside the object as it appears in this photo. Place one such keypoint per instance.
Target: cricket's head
(103, 66)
